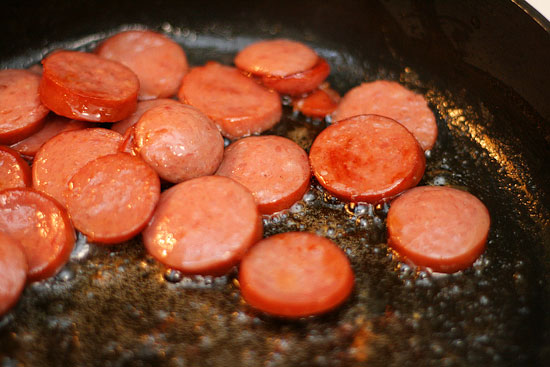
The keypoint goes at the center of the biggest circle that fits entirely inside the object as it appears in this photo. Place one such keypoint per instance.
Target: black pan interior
(483, 68)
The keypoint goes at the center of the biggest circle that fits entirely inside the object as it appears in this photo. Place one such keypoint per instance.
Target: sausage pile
(105, 180)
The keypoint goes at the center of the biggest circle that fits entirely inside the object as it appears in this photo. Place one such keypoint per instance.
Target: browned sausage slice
(295, 274)
(21, 112)
(159, 62)
(320, 103)
(367, 158)
(112, 198)
(237, 105)
(179, 142)
(275, 169)
(13, 267)
(14, 170)
(63, 155)
(299, 83)
(142, 107)
(392, 100)
(42, 227)
(87, 87)
(438, 227)
(203, 226)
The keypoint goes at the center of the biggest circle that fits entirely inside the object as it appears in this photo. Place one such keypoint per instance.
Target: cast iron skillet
(483, 66)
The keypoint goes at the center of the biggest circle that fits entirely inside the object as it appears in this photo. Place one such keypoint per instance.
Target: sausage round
(112, 198)
(21, 112)
(438, 227)
(295, 274)
(63, 155)
(367, 158)
(41, 226)
(179, 142)
(299, 83)
(13, 267)
(392, 100)
(87, 87)
(159, 62)
(203, 226)
(275, 169)
(143, 106)
(320, 103)
(237, 105)
(14, 171)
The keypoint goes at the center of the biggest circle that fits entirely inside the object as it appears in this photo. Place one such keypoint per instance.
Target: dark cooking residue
(116, 306)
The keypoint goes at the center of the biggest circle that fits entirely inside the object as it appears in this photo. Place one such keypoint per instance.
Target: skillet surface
(118, 307)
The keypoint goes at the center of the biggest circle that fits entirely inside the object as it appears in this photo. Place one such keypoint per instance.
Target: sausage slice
(320, 103)
(41, 226)
(203, 226)
(14, 170)
(367, 158)
(13, 267)
(112, 198)
(438, 227)
(275, 169)
(87, 87)
(295, 274)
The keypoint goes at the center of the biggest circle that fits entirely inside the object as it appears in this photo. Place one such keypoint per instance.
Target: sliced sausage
(299, 83)
(112, 198)
(275, 169)
(13, 267)
(179, 142)
(41, 226)
(14, 170)
(295, 274)
(203, 226)
(87, 87)
(438, 227)
(63, 155)
(320, 103)
(159, 62)
(53, 126)
(392, 100)
(237, 105)
(367, 158)
(21, 112)
(142, 107)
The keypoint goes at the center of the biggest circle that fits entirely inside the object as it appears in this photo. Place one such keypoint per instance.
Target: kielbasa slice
(295, 274)
(275, 169)
(237, 105)
(63, 155)
(112, 198)
(142, 107)
(367, 158)
(299, 83)
(438, 227)
(179, 142)
(41, 226)
(203, 226)
(319, 104)
(87, 87)
(159, 62)
(14, 170)
(21, 112)
(53, 126)
(13, 267)
(392, 100)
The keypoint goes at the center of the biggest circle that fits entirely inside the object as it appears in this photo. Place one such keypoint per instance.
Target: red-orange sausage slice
(63, 155)
(42, 227)
(13, 270)
(203, 226)
(392, 100)
(53, 126)
(14, 171)
(237, 105)
(159, 62)
(112, 198)
(179, 142)
(21, 112)
(438, 227)
(295, 274)
(87, 87)
(142, 107)
(275, 169)
(367, 158)
(299, 83)
(320, 103)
